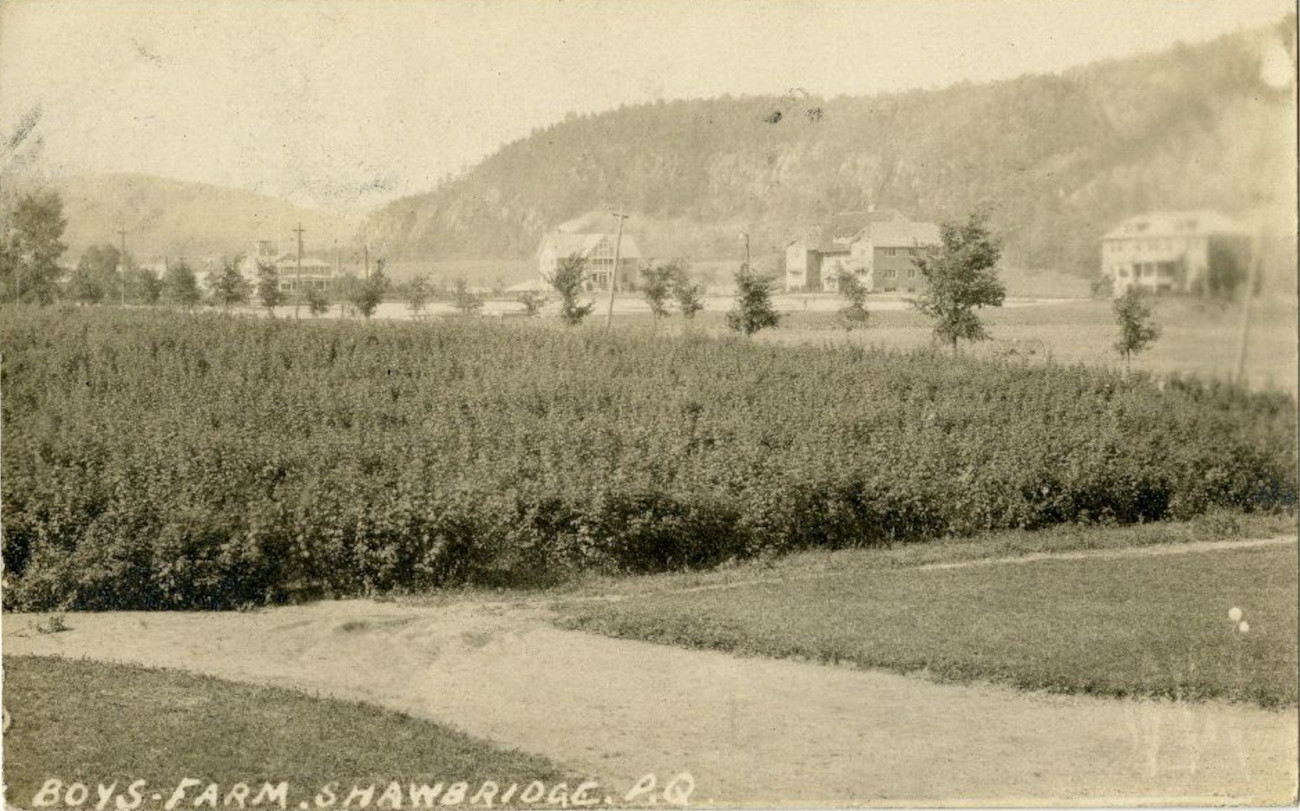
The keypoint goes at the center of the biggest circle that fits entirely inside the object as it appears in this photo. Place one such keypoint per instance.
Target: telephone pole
(613, 275)
(745, 236)
(297, 300)
(1247, 297)
(121, 264)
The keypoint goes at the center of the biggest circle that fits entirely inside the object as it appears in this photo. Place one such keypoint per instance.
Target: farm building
(315, 273)
(1175, 251)
(598, 250)
(877, 246)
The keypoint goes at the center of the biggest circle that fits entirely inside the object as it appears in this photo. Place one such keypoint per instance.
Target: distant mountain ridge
(165, 217)
(1061, 158)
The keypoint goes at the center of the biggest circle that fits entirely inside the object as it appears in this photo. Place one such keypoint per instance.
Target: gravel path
(750, 731)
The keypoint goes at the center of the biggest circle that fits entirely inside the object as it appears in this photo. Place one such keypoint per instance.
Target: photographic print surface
(638, 403)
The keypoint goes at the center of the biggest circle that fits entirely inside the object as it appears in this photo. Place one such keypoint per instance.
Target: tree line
(961, 275)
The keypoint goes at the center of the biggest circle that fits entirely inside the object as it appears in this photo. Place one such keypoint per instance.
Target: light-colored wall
(1127, 262)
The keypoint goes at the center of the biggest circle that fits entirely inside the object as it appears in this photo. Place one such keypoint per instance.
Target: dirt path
(1162, 550)
(1158, 550)
(750, 731)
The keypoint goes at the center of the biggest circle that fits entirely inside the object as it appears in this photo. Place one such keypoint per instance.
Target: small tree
(689, 295)
(532, 301)
(96, 277)
(753, 310)
(1136, 330)
(85, 285)
(317, 302)
(268, 286)
(229, 287)
(854, 293)
(346, 288)
(962, 276)
(463, 298)
(371, 291)
(181, 286)
(656, 287)
(145, 286)
(567, 281)
(417, 295)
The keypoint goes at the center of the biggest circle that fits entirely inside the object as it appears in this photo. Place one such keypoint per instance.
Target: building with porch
(1175, 251)
(315, 273)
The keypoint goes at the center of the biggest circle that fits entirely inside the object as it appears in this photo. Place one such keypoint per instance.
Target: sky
(347, 104)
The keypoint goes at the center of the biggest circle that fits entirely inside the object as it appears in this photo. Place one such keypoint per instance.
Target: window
(911, 273)
(888, 274)
(890, 251)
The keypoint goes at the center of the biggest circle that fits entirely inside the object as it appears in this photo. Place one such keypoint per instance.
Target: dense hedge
(153, 459)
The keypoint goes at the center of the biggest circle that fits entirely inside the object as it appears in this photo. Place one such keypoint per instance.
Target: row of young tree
(960, 274)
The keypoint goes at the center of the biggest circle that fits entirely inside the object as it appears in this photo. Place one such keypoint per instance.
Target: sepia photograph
(585, 404)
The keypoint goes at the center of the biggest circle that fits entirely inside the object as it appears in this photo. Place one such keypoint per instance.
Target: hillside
(166, 217)
(1061, 157)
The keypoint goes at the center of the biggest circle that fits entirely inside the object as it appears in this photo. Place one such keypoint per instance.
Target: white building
(314, 273)
(876, 246)
(1182, 251)
(597, 250)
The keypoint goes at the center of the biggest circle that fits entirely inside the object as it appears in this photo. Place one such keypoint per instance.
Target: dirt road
(750, 731)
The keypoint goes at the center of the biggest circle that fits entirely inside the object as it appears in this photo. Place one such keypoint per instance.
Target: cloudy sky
(349, 103)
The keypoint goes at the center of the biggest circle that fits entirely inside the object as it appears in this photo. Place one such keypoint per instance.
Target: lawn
(1197, 337)
(102, 723)
(1154, 626)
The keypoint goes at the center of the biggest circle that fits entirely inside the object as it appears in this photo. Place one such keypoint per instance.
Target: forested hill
(1061, 157)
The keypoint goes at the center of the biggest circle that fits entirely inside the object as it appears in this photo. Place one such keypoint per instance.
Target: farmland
(158, 460)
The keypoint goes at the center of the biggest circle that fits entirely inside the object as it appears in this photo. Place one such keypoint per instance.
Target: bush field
(158, 460)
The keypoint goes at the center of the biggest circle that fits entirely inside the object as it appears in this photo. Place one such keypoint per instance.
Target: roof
(564, 244)
(847, 224)
(291, 259)
(902, 233)
(885, 228)
(1175, 224)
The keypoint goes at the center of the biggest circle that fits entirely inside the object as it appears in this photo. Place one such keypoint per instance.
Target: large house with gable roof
(597, 250)
(876, 246)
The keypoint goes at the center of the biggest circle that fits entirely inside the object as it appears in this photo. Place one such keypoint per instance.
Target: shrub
(154, 460)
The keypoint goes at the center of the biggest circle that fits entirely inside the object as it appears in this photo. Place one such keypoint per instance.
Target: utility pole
(1248, 296)
(613, 275)
(367, 254)
(297, 300)
(121, 264)
(745, 236)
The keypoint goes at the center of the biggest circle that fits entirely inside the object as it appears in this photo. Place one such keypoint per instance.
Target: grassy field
(1197, 337)
(1147, 626)
(95, 722)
